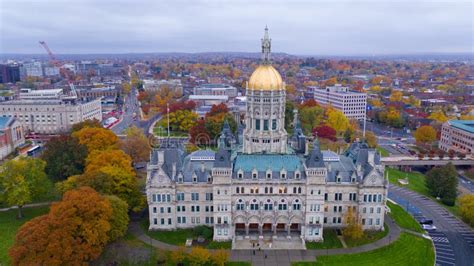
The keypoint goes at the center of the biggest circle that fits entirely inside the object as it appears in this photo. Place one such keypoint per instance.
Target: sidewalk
(26, 206)
(282, 257)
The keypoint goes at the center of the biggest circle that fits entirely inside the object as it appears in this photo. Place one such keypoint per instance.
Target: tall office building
(352, 104)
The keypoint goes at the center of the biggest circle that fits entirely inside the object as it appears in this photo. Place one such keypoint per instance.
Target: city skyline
(301, 28)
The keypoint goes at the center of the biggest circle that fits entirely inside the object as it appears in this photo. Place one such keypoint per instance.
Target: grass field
(9, 226)
(330, 241)
(407, 250)
(162, 132)
(402, 218)
(383, 151)
(176, 237)
(416, 182)
(369, 237)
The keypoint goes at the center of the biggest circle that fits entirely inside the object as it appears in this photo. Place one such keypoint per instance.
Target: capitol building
(262, 183)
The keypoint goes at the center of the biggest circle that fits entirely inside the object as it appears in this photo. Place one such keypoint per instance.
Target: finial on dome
(266, 47)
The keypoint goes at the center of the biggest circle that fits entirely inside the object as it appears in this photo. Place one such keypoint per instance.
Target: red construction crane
(56, 63)
(51, 55)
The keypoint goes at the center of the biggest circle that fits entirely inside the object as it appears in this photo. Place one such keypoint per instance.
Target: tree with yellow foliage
(375, 102)
(396, 96)
(181, 120)
(353, 229)
(337, 120)
(219, 257)
(438, 116)
(96, 139)
(199, 256)
(466, 207)
(425, 134)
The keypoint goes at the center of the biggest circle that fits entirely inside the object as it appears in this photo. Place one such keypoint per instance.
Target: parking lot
(453, 239)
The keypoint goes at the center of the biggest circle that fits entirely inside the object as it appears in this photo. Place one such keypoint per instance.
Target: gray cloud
(297, 27)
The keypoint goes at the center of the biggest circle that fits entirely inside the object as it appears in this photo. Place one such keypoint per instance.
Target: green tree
(64, 157)
(23, 181)
(310, 117)
(442, 182)
(289, 115)
(215, 123)
(119, 219)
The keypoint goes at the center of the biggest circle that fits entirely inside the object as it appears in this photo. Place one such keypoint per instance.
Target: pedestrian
(253, 244)
(259, 249)
(253, 252)
(265, 255)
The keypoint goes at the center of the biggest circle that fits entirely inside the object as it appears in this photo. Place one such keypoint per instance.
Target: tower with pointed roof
(265, 116)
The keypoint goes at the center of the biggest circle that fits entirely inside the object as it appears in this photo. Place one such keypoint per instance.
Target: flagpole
(365, 119)
(168, 115)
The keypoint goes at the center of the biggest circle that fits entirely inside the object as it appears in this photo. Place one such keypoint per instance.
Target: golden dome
(266, 78)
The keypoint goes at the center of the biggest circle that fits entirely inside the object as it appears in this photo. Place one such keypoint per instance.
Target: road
(466, 183)
(130, 107)
(459, 237)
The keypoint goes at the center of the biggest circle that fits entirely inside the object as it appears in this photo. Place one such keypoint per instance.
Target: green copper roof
(262, 162)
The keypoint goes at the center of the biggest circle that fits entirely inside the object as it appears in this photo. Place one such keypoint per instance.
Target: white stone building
(353, 104)
(49, 111)
(262, 185)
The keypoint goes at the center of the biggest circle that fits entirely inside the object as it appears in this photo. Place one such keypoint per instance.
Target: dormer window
(209, 179)
(283, 174)
(269, 174)
(180, 179)
(195, 179)
(297, 175)
(338, 179)
(240, 174)
(254, 174)
(353, 179)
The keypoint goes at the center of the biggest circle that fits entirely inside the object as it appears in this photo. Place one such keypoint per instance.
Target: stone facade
(254, 187)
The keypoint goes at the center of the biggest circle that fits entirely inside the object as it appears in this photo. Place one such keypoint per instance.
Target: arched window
(237, 190)
(254, 205)
(296, 205)
(240, 205)
(266, 190)
(268, 206)
(282, 205)
(299, 190)
(294, 190)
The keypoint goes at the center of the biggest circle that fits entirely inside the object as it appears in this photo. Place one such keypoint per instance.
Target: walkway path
(282, 257)
(26, 206)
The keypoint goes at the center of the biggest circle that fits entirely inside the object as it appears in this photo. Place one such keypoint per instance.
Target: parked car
(425, 221)
(428, 227)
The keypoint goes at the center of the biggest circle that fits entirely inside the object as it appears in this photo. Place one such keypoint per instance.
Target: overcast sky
(296, 27)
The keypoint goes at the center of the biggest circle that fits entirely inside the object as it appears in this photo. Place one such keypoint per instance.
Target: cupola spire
(266, 47)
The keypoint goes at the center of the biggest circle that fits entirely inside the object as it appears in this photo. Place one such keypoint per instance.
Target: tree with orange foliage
(73, 233)
(96, 139)
(217, 109)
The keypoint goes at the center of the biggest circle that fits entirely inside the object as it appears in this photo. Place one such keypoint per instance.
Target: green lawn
(176, 237)
(407, 250)
(416, 181)
(330, 241)
(403, 218)
(383, 152)
(130, 251)
(369, 237)
(219, 245)
(163, 132)
(9, 226)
